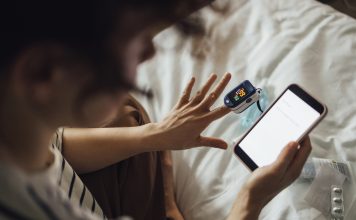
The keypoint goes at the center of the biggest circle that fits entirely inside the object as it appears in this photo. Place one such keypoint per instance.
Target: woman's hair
(81, 26)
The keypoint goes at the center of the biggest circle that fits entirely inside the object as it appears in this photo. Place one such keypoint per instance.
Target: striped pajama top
(70, 182)
(55, 193)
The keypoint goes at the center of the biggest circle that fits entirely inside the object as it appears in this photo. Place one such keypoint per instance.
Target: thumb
(212, 142)
(286, 157)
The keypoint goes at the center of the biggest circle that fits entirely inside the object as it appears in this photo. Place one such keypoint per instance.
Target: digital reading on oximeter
(242, 96)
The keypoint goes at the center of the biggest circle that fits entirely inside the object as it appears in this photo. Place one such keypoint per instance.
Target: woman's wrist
(251, 208)
(246, 206)
(152, 137)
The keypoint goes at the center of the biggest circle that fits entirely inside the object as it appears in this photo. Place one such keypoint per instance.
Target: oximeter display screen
(241, 93)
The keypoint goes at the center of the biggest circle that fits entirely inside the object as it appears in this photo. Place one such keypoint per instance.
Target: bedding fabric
(272, 43)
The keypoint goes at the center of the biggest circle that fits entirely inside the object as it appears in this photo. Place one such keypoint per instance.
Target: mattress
(272, 43)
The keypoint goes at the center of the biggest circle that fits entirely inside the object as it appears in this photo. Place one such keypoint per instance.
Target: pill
(337, 200)
(337, 210)
(337, 190)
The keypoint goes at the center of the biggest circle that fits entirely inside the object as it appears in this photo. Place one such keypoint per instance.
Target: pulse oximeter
(242, 97)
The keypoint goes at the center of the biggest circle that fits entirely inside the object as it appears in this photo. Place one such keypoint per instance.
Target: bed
(272, 43)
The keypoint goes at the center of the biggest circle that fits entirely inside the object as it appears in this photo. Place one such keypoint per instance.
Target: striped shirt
(37, 196)
(53, 194)
(70, 182)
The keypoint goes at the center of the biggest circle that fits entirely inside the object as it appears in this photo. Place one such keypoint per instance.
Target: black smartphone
(290, 117)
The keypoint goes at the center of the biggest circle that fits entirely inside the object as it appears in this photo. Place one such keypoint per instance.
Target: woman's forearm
(90, 149)
(244, 207)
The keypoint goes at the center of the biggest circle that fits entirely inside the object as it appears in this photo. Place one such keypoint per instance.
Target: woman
(72, 64)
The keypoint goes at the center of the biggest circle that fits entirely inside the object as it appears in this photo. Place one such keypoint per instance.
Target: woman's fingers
(213, 96)
(212, 142)
(186, 94)
(302, 155)
(200, 97)
(285, 158)
(202, 92)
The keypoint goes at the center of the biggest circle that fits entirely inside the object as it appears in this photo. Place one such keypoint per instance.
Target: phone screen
(287, 120)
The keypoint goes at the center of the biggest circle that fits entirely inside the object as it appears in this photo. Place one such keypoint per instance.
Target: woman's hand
(266, 182)
(183, 126)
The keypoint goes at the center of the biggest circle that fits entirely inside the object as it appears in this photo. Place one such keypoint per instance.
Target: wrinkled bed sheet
(272, 43)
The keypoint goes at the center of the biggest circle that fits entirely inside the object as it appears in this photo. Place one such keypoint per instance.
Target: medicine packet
(319, 193)
(313, 165)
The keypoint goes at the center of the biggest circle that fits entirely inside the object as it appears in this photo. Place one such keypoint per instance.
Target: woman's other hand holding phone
(266, 182)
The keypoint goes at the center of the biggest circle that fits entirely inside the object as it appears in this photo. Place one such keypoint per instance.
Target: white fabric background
(273, 43)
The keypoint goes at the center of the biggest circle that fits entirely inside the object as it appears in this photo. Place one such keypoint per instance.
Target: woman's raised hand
(183, 126)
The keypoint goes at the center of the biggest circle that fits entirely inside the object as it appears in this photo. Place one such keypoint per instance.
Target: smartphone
(290, 117)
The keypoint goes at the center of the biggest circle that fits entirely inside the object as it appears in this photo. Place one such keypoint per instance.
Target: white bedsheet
(272, 43)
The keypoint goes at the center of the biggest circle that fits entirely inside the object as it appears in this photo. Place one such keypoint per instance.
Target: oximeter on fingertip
(242, 97)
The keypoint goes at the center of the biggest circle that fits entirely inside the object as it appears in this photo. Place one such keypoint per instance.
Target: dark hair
(80, 25)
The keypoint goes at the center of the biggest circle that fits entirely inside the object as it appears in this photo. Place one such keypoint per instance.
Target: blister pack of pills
(318, 194)
(337, 203)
